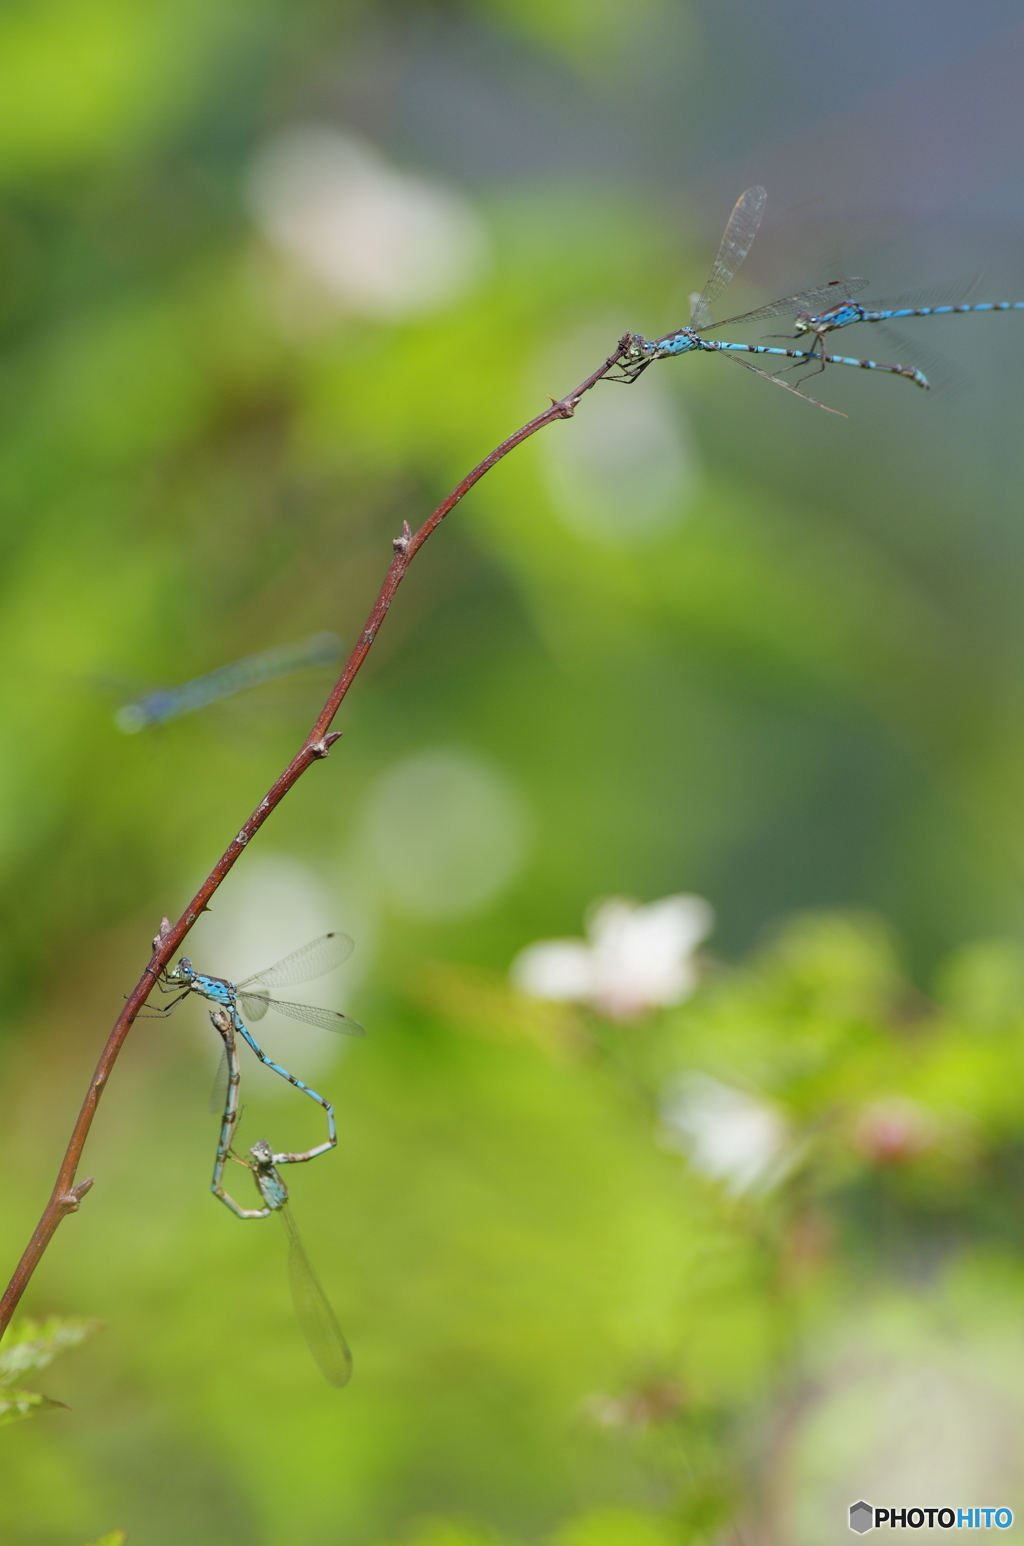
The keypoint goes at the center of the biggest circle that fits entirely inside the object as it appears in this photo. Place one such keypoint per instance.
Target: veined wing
(740, 230)
(219, 1093)
(313, 960)
(952, 293)
(255, 1006)
(785, 385)
(941, 374)
(315, 1316)
(814, 300)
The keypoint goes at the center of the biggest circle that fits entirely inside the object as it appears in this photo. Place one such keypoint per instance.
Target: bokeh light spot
(445, 832)
(378, 241)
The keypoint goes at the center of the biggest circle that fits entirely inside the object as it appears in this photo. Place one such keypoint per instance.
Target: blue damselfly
(164, 703)
(846, 312)
(313, 960)
(316, 1319)
(736, 243)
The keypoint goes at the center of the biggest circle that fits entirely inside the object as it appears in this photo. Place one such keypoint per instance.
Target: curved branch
(66, 1196)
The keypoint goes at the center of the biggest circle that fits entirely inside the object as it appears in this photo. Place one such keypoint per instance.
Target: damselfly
(845, 312)
(164, 703)
(317, 1320)
(740, 231)
(313, 960)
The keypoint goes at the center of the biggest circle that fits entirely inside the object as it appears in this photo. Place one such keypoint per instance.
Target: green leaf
(31, 1345)
(114, 1538)
(16, 1404)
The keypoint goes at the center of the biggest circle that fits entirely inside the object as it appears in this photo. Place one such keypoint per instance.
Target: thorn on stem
(401, 544)
(321, 748)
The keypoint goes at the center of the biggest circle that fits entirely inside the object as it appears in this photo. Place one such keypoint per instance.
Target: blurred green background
(272, 278)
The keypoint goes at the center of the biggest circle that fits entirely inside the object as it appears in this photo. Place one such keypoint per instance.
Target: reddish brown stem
(66, 1196)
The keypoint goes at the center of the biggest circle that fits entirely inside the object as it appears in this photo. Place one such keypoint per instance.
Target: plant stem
(66, 1196)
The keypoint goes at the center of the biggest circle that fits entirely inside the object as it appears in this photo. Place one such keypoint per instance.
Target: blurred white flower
(639, 957)
(726, 1133)
(379, 241)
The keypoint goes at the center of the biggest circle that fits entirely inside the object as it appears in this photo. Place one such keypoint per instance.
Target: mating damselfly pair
(249, 997)
(815, 313)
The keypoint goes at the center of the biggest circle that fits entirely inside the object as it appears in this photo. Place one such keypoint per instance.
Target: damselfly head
(636, 347)
(261, 1154)
(183, 972)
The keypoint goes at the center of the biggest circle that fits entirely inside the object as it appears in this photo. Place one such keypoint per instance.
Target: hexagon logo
(862, 1517)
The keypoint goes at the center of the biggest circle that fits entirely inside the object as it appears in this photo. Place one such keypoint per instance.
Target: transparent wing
(315, 1316)
(767, 376)
(311, 1014)
(740, 230)
(219, 1093)
(941, 375)
(814, 300)
(953, 293)
(254, 1005)
(313, 960)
